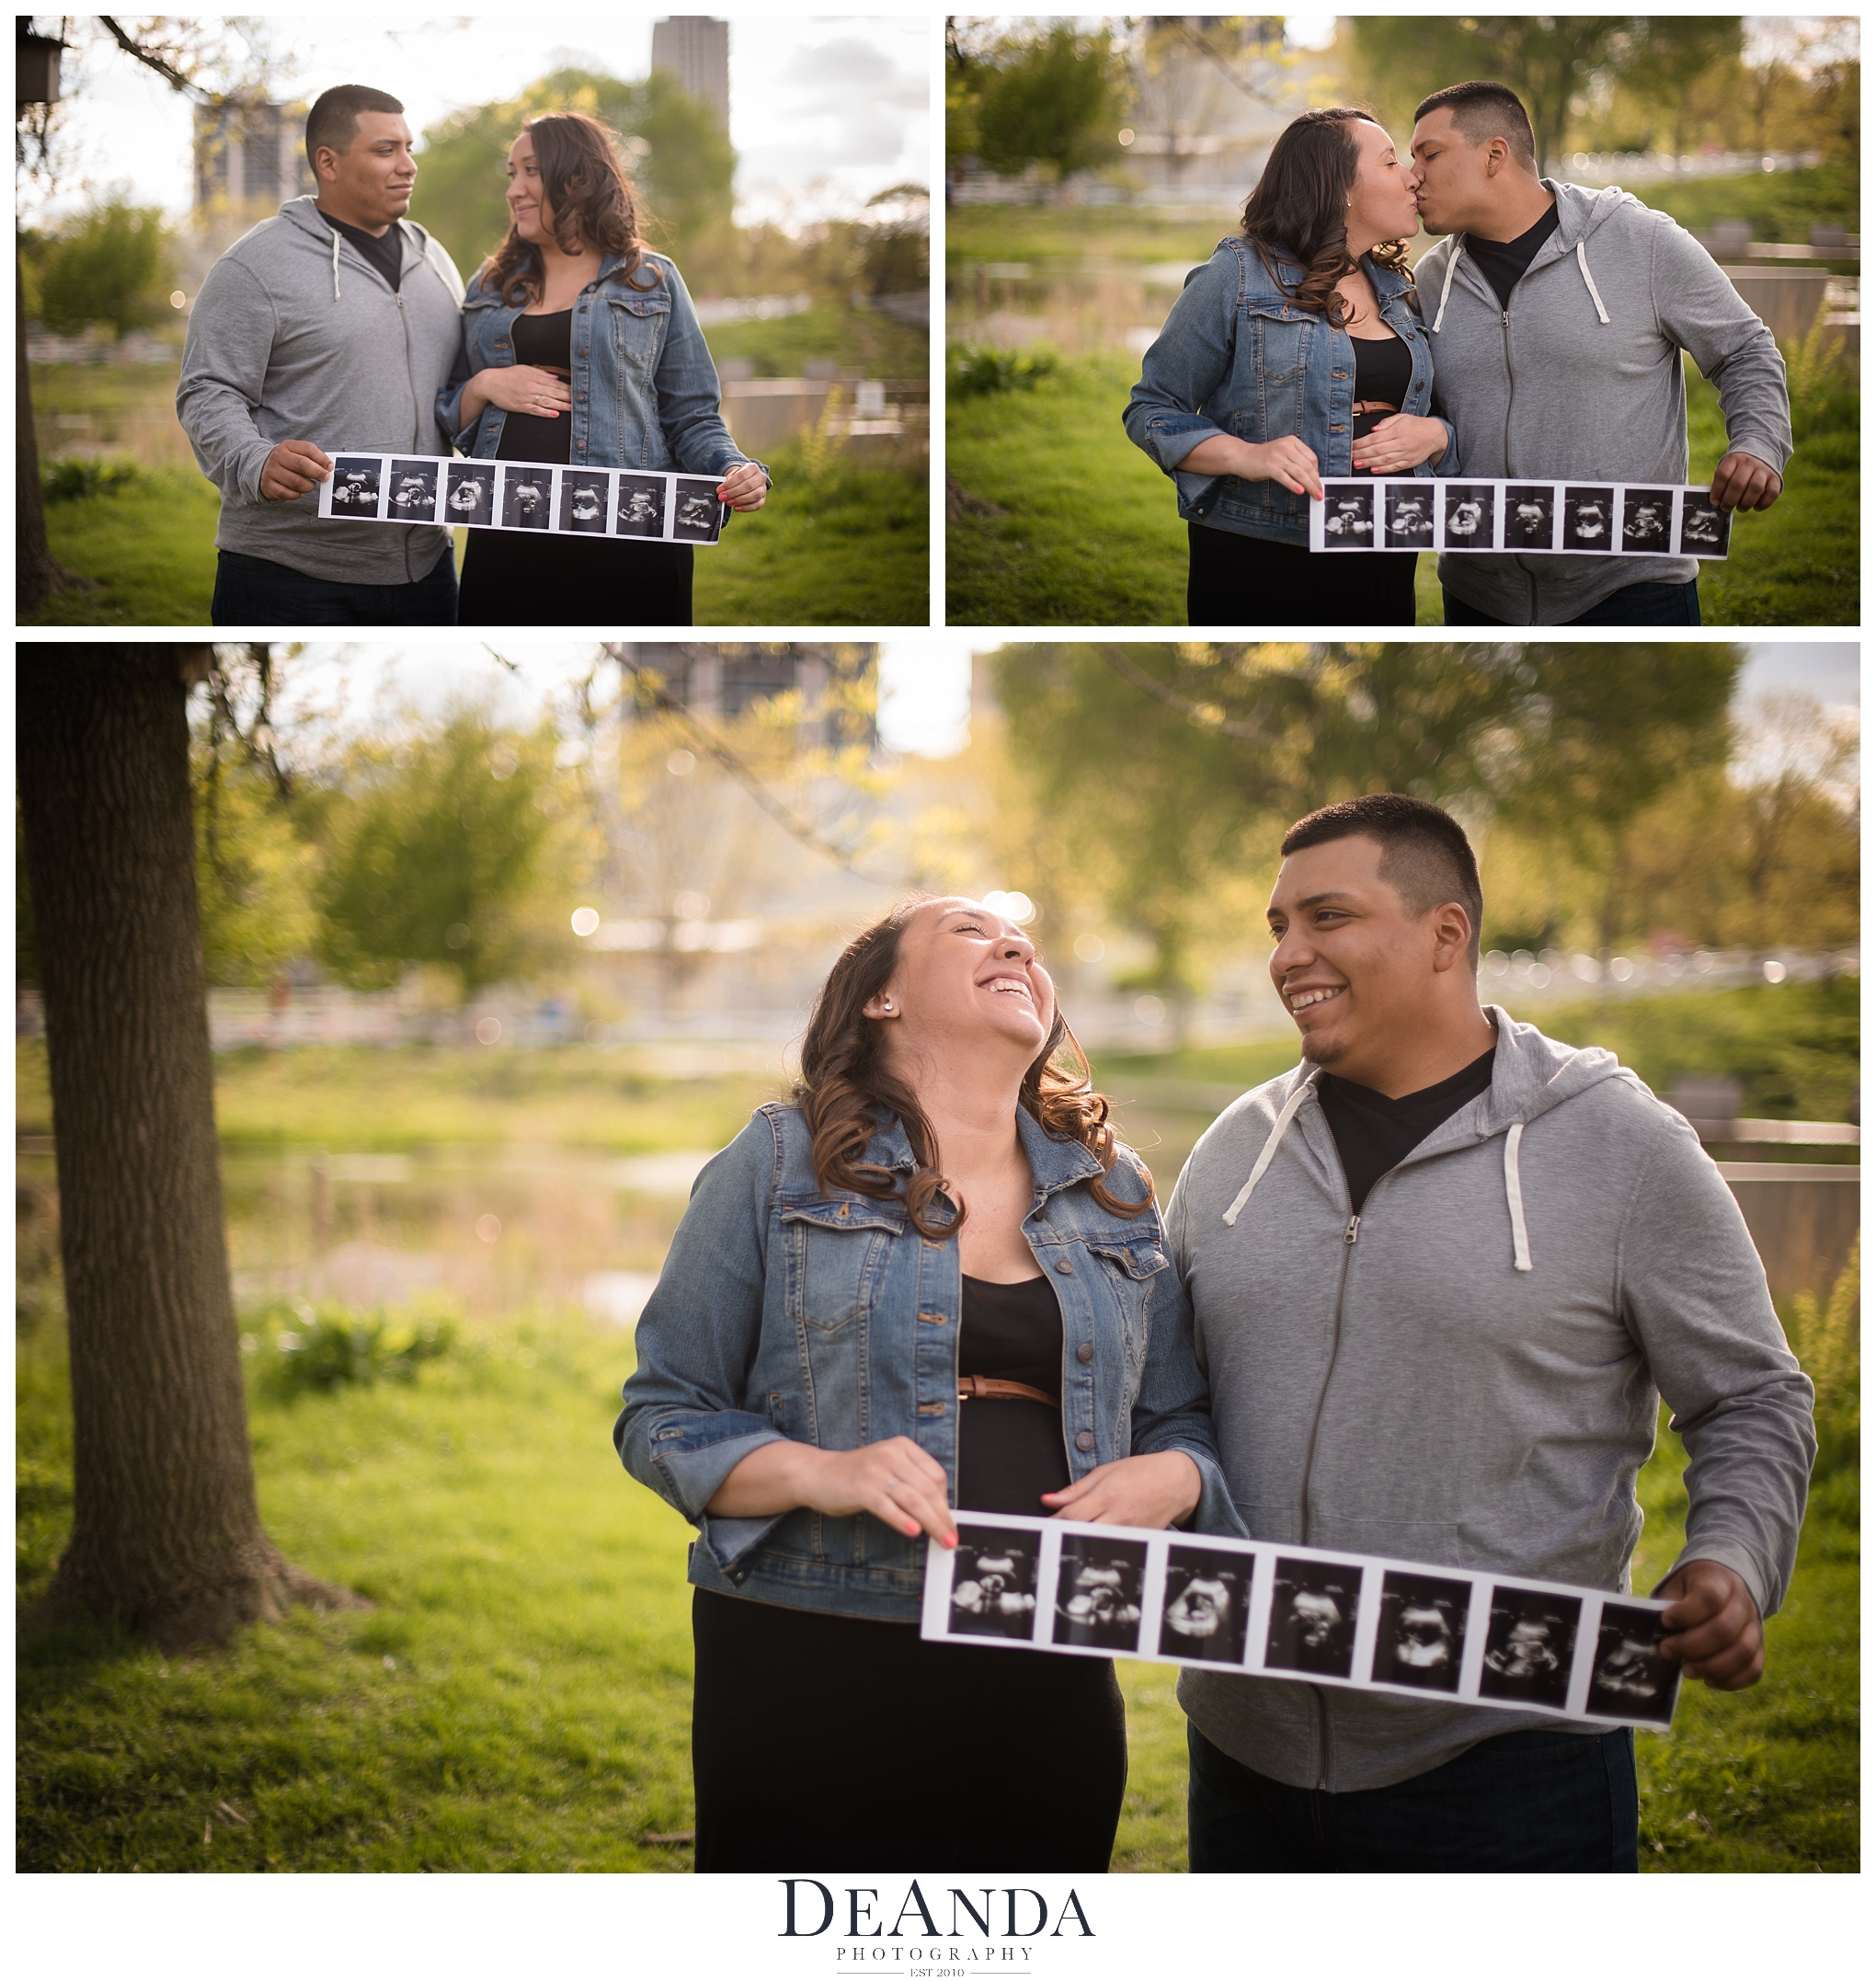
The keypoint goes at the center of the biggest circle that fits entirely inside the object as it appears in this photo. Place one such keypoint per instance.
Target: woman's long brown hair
(592, 201)
(1298, 209)
(846, 1094)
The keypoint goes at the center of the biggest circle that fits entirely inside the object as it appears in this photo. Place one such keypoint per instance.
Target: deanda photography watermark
(524, 495)
(1344, 1620)
(1525, 518)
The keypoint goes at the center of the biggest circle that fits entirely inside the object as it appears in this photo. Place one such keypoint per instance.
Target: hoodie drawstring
(334, 267)
(1514, 1197)
(1583, 263)
(1264, 1160)
(1447, 287)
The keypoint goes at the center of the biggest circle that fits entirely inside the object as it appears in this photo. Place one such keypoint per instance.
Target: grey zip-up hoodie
(1581, 376)
(1467, 1373)
(296, 337)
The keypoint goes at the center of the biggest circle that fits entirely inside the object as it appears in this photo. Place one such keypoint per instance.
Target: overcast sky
(824, 110)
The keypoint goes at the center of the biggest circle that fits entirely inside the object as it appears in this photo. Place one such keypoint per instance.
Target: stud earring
(886, 1004)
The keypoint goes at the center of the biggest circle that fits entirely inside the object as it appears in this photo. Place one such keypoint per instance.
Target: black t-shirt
(1009, 1450)
(383, 251)
(1383, 372)
(1373, 1133)
(1502, 262)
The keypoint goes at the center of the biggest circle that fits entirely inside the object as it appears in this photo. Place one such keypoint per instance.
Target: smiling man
(1440, 1273)
(332, 326)
(1557, 315)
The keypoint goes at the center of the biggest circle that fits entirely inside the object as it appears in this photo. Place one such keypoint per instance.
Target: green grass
(1782, 206)
(838, 543)
(519, 1697)
(516, 1699)
(1094, 538)
(1795, 1047)
(151, 547)
(362, 1097)
(1044, 235)
(781, 346)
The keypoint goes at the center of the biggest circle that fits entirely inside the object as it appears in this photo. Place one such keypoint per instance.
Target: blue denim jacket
(1237, 356)
(644, 392)
(786, 1310)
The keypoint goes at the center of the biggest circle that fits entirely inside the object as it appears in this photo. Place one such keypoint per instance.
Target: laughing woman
(1295, 353)
(941, 1214)
(581, 346)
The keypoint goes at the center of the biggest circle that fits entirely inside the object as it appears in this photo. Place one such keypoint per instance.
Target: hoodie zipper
(415, 423)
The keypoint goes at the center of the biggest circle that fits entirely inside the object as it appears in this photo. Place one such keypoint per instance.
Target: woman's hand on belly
(893, 1480)
(1399, 443)
(745, 486)
(1153, 1489)
(1287, 461)
(518, 389)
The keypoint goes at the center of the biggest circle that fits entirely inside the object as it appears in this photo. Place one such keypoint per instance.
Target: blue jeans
(1520, 1801)
(255, 591)
(1634, 605)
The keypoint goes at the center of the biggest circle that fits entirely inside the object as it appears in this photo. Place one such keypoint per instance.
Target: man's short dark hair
(1426, 856)
(1483, 110)
(333, 121)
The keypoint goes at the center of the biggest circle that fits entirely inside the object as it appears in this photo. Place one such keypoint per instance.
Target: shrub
(977, 372)
(1826, 1337)
(72, 481)
(300, 1350)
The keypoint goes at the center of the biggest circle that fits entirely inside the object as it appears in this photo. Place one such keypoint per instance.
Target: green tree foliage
(434, 855)
(1167, 772)
(1548, 59)
(113, 264)
(254, 875)
(679, 154)
(1049, 98)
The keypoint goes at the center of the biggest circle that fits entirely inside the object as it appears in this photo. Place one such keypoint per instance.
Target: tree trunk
(38, 575)
(166, 1533)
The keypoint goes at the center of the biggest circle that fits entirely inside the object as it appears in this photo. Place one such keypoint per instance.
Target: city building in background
(695, 50)
(249, 157)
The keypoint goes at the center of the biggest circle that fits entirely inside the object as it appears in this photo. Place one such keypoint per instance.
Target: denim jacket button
(1062, 1265)
(1085, 1353)
(1084, 1440)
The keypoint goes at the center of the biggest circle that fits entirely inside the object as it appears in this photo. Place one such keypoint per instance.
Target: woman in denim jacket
(1295, 353)
(580, 346)
(935, 1280)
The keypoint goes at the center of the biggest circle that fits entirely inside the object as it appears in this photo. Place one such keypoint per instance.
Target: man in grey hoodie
(1558, 319)
(1439, 1273)
(333, 325)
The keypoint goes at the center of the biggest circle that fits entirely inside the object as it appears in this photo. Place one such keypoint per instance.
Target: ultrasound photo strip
(1519, 518)
(1270, 1611)
(620, 503)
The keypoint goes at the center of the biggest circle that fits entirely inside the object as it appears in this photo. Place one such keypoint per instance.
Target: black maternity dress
(518, 578)
(826, 1742)
(1254, 582)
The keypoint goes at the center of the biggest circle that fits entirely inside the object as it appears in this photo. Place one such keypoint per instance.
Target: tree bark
(38, 574)
(166, 1534)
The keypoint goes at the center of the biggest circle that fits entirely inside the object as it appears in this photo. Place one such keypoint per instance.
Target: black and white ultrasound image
(1528, 516)
(993, 1582)
(1422, 1639)
(1312, 1616)
(1097, 1594)
(413, 491)
(356, 484)
(1630, 1679)
(1589, 519)
(1207, 1605)
(1529, 1643)
(697, 511)
(527, 498)
(641, 505)
(1348, 515)
(471, 497)
(583, 501)
(1645, 515)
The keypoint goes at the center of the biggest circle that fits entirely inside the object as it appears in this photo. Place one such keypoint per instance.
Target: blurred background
(784, 164)
(502, 945)
(1093, 161)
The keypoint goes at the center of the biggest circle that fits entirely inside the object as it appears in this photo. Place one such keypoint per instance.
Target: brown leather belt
(994, 1387)
(1373, 405)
